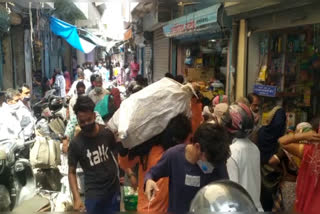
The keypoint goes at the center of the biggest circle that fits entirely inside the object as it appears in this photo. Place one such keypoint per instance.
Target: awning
(92, 38)
(202, 20)
(70, 34)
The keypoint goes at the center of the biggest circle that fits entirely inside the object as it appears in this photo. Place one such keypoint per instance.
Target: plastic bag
(45, 153)
(147, 113)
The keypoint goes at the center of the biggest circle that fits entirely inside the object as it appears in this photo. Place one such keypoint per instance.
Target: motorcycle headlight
(18, 167)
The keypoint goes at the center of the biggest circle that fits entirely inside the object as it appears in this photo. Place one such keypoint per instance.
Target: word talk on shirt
(98, 156)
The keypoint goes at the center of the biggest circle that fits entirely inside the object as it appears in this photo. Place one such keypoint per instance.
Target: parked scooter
(17, 181)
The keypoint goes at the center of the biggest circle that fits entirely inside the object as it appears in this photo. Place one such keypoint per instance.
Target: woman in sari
(305, 146)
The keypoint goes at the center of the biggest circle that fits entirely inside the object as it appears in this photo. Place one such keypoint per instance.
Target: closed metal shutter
(147, 62)
(161, 54)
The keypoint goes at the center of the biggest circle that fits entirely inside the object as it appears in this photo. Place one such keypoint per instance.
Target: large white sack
(147, 113)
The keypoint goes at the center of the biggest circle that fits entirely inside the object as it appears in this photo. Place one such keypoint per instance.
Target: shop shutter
(147, 60)
(161, 54)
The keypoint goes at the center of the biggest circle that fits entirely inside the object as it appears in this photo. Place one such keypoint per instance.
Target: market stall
(200, 42)
(286, 64)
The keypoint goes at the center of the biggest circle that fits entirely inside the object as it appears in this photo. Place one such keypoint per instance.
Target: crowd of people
(278, 168)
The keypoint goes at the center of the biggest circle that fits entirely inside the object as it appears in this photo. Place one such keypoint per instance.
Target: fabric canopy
(70, 34)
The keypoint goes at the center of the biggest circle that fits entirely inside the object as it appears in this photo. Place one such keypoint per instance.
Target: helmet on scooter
(222, 196)
(55, 103)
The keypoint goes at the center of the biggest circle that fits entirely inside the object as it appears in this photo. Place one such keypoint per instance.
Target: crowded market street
(159, 106)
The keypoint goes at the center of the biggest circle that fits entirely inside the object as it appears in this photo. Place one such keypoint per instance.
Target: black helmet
(55, 103)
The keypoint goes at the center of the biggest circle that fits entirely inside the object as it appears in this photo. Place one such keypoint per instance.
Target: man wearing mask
(98, 93)
(92, 148)
(73, 90)
(190, 167)
(25, 92)
(19, 114)
(81, 89)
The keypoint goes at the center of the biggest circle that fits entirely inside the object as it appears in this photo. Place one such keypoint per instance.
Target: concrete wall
(149, 20)
(93, 17)
(284, 19)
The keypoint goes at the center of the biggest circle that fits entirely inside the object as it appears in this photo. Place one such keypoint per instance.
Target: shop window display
(289, 59)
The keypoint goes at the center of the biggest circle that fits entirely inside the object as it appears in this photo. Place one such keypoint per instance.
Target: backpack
(45, 153)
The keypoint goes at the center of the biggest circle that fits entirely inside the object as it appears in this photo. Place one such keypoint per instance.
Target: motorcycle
(51, 124)
(17, 181)
(42, 109)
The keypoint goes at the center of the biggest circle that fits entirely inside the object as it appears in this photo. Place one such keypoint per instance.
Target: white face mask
(205, 166)
(14, 107)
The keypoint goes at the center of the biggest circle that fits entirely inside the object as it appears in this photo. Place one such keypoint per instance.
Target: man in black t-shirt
(92, 148)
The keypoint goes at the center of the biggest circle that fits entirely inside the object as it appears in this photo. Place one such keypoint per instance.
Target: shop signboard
(265, 90)
(194, 22)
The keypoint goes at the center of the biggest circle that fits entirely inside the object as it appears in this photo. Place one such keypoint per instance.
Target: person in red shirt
(306, 146)
(134, 68)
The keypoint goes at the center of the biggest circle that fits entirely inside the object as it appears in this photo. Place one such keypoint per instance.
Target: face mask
(81, 94)
(27, 98)
(205, 166)
(98, 90)
(88, 128)
(14, 107)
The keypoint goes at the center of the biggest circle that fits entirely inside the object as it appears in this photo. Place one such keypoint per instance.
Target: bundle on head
(175, 133)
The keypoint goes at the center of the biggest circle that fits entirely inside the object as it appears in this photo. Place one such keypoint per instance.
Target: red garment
(135, 67)
(308, 185)
(161, 201)
(196, 119)
(68, 80)
(116, 97)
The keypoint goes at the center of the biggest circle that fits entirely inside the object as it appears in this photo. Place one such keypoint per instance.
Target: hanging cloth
(70, 34)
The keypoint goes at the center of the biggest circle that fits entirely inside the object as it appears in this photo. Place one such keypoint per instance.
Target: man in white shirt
(87, 73)
(18, 119)
(81, 78)
(244, 164)
(60, 83)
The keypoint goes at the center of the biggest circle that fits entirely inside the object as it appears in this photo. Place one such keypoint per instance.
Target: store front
(285, 63)
(200, 48)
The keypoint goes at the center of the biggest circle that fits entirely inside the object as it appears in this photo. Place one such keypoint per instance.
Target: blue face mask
(205, 166)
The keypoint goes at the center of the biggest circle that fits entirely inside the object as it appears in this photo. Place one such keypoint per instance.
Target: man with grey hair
(98, 93)
(73, 89)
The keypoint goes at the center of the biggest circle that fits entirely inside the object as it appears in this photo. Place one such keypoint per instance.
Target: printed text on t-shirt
(98, 156)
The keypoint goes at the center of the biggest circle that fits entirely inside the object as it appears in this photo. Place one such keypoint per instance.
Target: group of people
(231, 142)
(278, 169)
